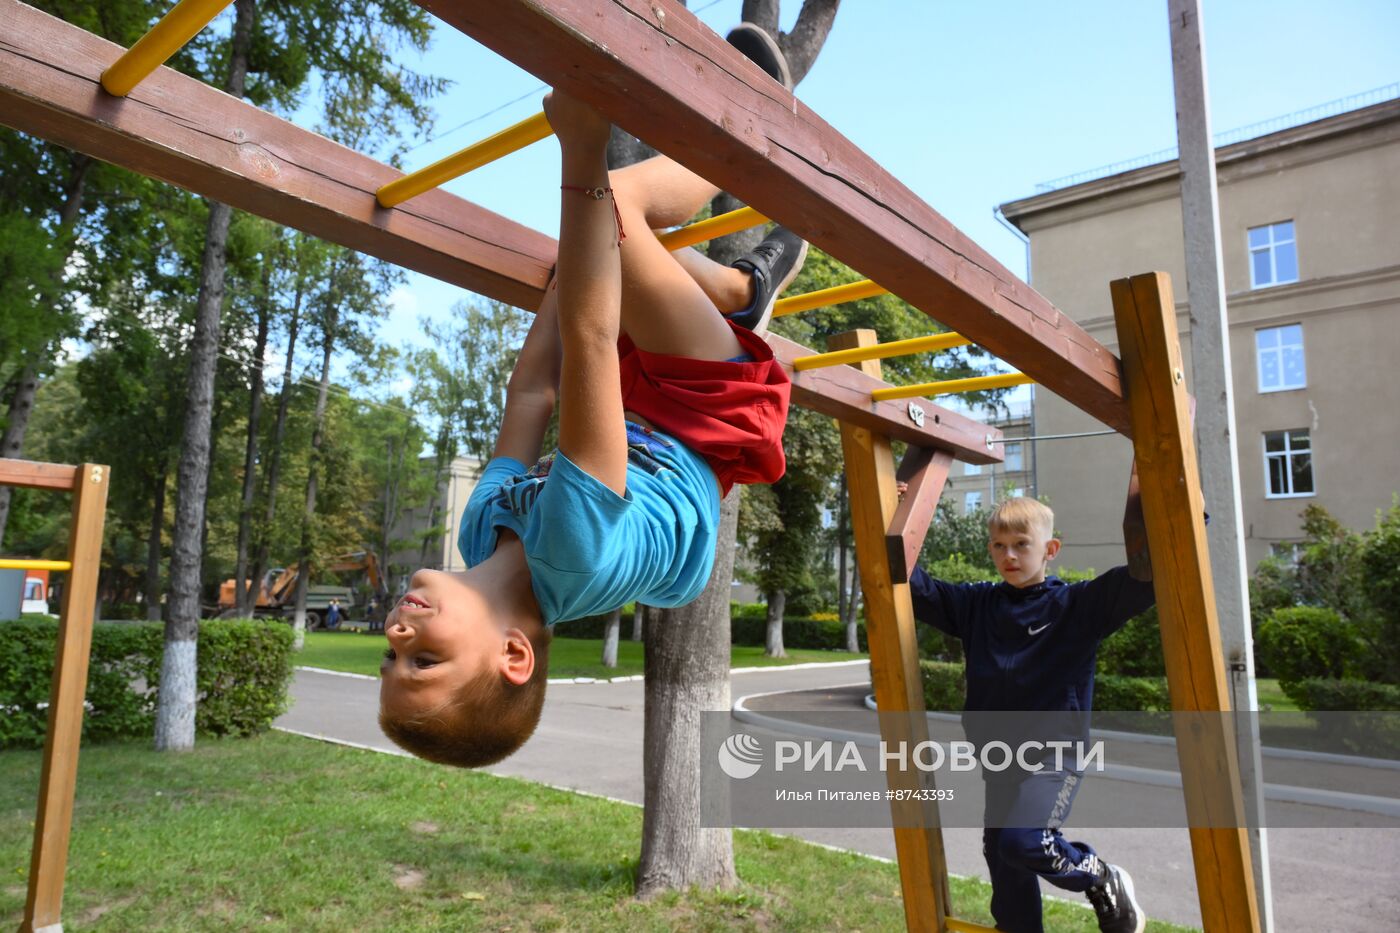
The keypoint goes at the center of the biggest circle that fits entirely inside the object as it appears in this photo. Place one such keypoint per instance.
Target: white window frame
(1006, 456)
(972, 469)
(969, 505)
(1287, 455)
(1269, 247)
(1279, 352)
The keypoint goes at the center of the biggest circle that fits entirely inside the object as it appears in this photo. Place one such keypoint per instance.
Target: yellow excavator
(277, 594)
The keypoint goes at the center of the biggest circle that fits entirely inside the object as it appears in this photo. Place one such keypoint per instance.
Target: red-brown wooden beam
(843, 392)
(180, 130)
(664, 76)
(177, 129)
(925, 472)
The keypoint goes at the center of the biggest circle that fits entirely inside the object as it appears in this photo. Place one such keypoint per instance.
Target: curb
(1282, 793)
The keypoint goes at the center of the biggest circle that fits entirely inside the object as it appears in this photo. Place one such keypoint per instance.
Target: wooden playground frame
(660, 74)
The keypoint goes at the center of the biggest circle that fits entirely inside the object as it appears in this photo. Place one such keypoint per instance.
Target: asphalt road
(590, 739)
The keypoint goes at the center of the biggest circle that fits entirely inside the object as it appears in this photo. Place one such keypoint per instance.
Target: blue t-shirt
(590, 550)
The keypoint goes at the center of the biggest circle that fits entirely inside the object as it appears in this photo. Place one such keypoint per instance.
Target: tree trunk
(841, 547)
(610, 633)
(243, 592)
(312, 480)
(175, 707)
(12, 443)
(640, 615)
(440, 457)
(27, 384)
(773, 639)
(274, 465)
(687, 673)
(153, 606)
(687, 652)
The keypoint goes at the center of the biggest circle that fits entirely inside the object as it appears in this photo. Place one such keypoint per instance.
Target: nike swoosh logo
(1037, 631)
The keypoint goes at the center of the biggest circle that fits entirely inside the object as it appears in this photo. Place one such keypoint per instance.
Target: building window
(1291, 552)
(1273, 255)
(1015, 492)
(1288, 464)
(972, 501)
(1013, 461)
(972, 469)
(1279, 352)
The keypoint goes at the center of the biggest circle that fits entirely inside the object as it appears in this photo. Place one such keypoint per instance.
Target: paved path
(590, 739)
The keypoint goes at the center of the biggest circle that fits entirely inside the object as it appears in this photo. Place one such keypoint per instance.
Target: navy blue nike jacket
(1033, 648)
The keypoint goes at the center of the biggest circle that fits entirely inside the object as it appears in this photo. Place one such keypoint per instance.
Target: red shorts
(731, 414)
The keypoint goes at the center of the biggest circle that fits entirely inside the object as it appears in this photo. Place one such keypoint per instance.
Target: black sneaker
(1113, 901)
(774, 263)
(759, 48)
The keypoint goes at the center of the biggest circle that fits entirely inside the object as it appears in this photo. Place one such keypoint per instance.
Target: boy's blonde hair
(1022, 515)
(486, 721)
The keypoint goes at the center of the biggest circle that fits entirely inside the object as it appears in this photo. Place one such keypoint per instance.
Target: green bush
(1316, 694)
(945, 685)
(1131, 694)
(748, 626)
(1305, 642)
(1375, 734)
(1135, 650)
(243, 671)
(819, 634)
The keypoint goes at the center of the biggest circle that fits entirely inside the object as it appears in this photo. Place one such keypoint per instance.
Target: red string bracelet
(597, 195)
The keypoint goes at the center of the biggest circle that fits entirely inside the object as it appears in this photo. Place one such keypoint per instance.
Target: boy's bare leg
(729, 288)
(664, 308)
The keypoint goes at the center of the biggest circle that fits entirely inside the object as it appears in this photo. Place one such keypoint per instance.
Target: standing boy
(1030, 644)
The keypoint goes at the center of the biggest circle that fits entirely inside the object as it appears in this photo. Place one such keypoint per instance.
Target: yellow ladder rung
(951, 386)
(511, 139)
(166, 38)
(712, 228)
(881, 351)
(15, 563)
(852, 291)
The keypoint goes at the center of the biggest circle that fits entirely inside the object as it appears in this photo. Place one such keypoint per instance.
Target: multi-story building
(971, 487)
(458, 482)
(1311, 253)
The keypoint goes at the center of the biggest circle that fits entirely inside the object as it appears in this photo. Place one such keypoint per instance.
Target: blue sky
(970, 104)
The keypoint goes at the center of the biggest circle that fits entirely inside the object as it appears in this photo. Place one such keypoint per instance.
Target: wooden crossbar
(662, 75)
(31, 474)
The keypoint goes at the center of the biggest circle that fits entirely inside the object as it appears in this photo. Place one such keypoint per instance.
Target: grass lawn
(1272, 695)
(358, 653)
(284, 833)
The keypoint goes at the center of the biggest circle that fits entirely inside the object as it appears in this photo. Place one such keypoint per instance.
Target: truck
(276, 597)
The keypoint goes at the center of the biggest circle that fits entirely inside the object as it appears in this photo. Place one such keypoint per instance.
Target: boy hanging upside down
(667, 397)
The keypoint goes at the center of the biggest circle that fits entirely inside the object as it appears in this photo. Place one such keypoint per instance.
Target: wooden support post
(1174, 510)
(894, 658)
(926, 472)
(53, 821)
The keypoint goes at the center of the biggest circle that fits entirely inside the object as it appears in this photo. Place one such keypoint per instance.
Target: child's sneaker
(759, 48)
(774, 263)
(1113, 901)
